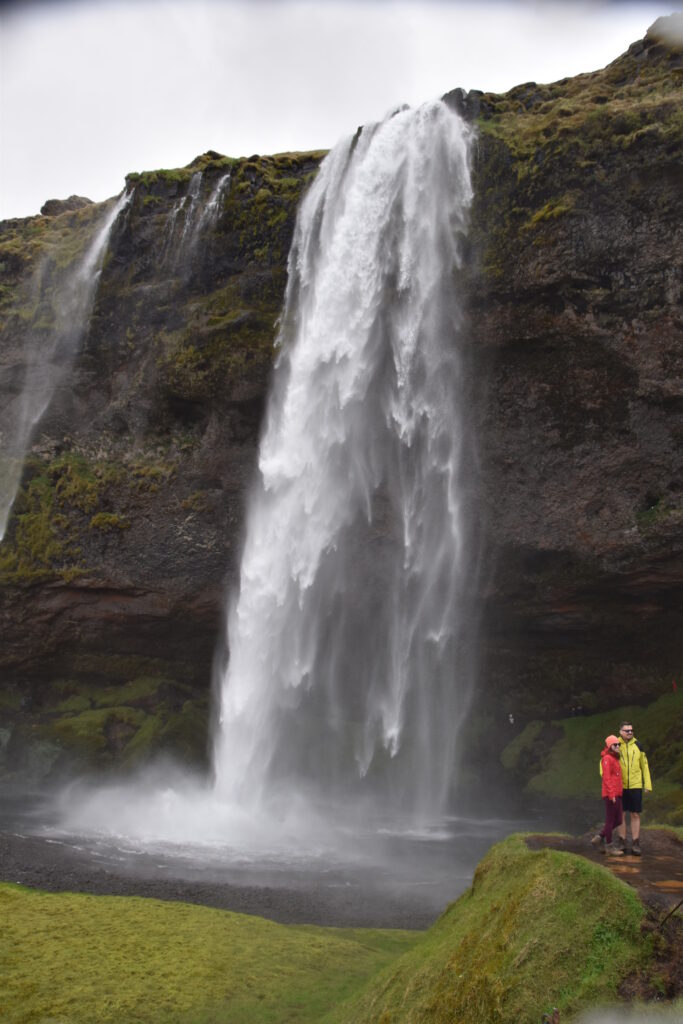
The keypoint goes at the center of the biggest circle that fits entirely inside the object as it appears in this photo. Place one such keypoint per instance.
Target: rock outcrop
(576, 341)
(127, 526)
(53, 207)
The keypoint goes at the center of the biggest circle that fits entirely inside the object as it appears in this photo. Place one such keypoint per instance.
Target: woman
(612, 789)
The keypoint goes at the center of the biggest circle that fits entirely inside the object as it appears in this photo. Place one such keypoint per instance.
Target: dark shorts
(632, 800)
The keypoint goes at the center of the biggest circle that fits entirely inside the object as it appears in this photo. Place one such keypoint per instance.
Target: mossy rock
(533, 932)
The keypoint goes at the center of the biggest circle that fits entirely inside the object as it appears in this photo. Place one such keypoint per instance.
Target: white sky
(92, 89)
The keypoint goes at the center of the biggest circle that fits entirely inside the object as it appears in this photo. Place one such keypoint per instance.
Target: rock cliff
(126, 529)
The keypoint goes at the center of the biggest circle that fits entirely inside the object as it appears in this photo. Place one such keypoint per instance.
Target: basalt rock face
(576, 341)
(127, 526)
(126, 529)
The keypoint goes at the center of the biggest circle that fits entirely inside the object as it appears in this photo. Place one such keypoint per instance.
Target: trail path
(657, 876)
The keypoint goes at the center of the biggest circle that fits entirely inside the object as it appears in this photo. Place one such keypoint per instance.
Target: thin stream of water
(50, 357)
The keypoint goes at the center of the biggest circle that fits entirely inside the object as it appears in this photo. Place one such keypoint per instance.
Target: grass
(569, 766)
(536, 930)
(101, 959)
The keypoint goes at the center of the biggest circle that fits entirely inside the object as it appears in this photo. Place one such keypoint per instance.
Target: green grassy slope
(569, 766)
(99, 959)
(536, 930)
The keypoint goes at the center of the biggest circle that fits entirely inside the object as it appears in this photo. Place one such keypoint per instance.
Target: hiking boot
(619, 843)
(598, 840)
(613, 850)
(635, 849)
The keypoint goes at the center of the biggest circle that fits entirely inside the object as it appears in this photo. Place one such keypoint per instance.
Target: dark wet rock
(578, 381)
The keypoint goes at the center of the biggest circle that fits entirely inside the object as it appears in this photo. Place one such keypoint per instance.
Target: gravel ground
(53, 866)
(409, 888)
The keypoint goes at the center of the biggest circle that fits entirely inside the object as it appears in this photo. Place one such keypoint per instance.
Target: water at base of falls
(351, 656)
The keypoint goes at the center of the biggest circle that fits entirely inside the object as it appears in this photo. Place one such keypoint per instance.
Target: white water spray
(50, 357)
(345, 674)
(349, 673)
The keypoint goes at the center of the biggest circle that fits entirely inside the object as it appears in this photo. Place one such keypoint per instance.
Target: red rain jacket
(612, 783)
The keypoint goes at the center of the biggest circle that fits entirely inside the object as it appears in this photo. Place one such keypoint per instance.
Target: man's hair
(627, 721)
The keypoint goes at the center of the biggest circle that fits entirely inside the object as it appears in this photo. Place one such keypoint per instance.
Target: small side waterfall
(212, 209)
(189, 219)
(50, 356)
(345, 673)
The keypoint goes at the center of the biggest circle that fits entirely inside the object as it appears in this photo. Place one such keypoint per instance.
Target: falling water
(190, 218)
(346, 671)
(211, 211)
(48, 360)
(193, 207)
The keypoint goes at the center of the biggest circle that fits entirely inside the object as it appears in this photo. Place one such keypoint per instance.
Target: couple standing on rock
(625, 774)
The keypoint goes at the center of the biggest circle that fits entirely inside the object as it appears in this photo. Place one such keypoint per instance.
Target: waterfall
(190, 218)
(345, 670)
(193, 207)
(212, 209)
(49, 360)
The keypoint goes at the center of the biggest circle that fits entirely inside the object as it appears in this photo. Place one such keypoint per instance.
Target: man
(635, 774)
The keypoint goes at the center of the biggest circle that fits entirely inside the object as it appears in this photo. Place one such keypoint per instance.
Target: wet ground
(392, 880)
(657, 875)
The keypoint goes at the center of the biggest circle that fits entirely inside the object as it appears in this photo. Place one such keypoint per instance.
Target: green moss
(527, 739)
(217, 350)
(657, 513)
(146, 740)
(93, 733)
(107, 959)
(176, 175)
(74, 704)
(551, 211)
(10, 700)
(568, 767)
(154, 472)
(141, 689)
(183, 733)
(199, 501)
(122, 725)
(676, 830)
(108, 521)
(536, 930)
(126, 666)
(36, 545)
(54, 510)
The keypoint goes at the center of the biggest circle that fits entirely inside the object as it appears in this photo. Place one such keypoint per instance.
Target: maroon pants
(613, 817)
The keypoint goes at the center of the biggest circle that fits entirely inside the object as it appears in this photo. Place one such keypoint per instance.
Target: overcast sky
(92, 89)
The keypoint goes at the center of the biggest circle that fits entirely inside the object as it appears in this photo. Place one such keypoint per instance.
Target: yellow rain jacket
(635, 770)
